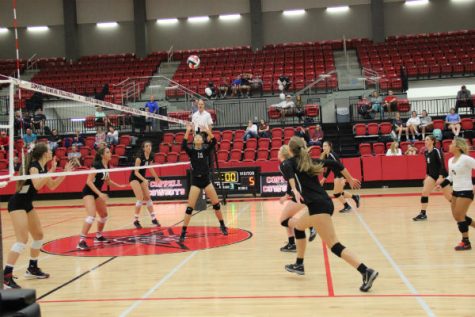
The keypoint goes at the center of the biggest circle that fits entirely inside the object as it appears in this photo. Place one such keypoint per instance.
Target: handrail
(170, 54)
(32, 61)
(319, 79)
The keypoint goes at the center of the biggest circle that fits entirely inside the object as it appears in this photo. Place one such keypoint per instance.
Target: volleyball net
(8, 124)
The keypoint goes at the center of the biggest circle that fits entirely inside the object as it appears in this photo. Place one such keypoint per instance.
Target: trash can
(343, 114)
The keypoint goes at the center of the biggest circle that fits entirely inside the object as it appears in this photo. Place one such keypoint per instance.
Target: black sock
(221, 222)
(423, 212)
(362, 268)
(33, 263)
(291, 240)
(465, 240)
(8, 270)
(299, 261)
(347, 205)
(183, 229)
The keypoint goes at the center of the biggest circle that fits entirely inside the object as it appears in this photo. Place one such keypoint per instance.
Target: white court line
(168, 276)
(406, 281)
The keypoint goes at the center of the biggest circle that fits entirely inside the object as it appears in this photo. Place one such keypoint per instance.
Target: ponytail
(304, 161)
(35, 155)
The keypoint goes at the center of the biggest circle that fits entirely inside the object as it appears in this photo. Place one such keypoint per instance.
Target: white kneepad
(90, 219)
(18, 247)
(37, 244)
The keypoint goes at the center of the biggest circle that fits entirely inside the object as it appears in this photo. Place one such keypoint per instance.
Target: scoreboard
(239, 180)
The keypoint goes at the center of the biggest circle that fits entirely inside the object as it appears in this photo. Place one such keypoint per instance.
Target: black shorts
(463, 194)
(201, 181)
(19, 203)
(89, 192)
(338, 175)
(135, 178)
(320, 207)
(434, 177)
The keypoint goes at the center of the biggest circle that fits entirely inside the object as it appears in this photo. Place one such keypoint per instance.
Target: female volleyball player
(139, 183)
(95, 199)
(199, 154)
(435, 170)
(460, 174)
(339, 180)
(292, 207)
(303, 174)
(25, 219)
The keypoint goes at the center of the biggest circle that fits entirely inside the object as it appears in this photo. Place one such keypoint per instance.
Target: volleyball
(193, 61)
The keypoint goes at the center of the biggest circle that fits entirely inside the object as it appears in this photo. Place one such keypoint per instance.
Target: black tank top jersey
(99, 178)
(435, 163)
(143, 162)
(308, 185)
(199, 158)
(284, 171)
(28, 191)
(332, 156)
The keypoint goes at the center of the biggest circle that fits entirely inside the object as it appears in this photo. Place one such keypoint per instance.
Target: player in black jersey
(199, 154)
(25, 219)
(95, 200)
(303, 172)
(139, 183)
(435, 170)
(338, 181)
(292, 207)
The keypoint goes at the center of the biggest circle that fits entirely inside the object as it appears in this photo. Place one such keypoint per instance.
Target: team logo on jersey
(147, 241)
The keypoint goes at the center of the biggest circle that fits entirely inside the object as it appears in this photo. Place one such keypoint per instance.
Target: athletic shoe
(356, 198)
(463, 246)
(289, 247)
(224, 230)
(82, 245)
(35, 272)
(420, 217)
(9, 282)
(101, 239)
(346, 209)
(155, 222)
(313, 234)
(368, 279)
(182, 236)
(137, 224)
(295, 268)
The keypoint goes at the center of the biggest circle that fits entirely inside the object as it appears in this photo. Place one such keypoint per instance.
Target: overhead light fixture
(338, 9)
(229, 17)
(167, 21)
(37, 28)
(414, 3)
(198, 19)
(3, 30)
(107, 24)
(461, 1)
(293, 12)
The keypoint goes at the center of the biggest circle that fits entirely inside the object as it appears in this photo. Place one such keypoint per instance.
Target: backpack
(437, 134)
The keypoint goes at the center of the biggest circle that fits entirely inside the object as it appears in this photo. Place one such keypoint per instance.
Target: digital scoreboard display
(240, 180)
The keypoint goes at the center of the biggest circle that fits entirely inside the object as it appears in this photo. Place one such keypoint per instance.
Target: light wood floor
(420, 273)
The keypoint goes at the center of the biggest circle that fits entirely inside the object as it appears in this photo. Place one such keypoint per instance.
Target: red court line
(328, 271)
(255, 297)
(46, 226)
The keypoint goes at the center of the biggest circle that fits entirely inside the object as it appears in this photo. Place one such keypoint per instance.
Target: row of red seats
(310, 110)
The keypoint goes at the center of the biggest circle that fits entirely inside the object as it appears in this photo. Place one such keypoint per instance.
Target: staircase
(348, 70)
(157, 86)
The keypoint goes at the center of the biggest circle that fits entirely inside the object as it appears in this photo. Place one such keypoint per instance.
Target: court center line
(395, 266)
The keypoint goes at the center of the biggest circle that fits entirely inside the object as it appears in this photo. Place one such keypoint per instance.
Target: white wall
(185, 8)
(93, 40)
(93, 11)
(32, 12)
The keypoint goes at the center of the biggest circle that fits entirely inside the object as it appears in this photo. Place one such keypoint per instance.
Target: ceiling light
(338, 9)
(294, 12)
(37, 28)
(230, 17)
(414, 3)
(107, 24)
(167, 21)
(198, 19)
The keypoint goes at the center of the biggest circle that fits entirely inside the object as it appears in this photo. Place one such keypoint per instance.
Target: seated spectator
(390, 102)
(77, 139)
(39, 120)
(317, 137)
(426, 123)
(286, 106)
(452, 120)
(394, 150)
(4, 141)
(398, 127)
(299, 107)
(152, 107)
(16, 164)
(211, 90)
(257, 85)
(464, 100)
(101, 118)
(75, 155)
(264, 129)
(245, 85)
(376, 102)
(251, 131)
(54, 140)
(284, 83)
(364, 108)
(29, 138)
(411, 150)
(236, 86)
(100, 137)
(112, 137)
(224, 88)
(302, 132)
(412, 126)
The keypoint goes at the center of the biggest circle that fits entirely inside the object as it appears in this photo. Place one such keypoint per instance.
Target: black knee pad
(337, 195)
(299, 234)
(285, 223)
(468, 220)
(424, 200)
(189, 210)
(445, 183)
(217, 206)
(337, 249)
(463, 226)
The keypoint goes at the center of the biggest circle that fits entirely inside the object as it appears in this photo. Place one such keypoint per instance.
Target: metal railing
(32, 62)
(170, 54)
(310, 86)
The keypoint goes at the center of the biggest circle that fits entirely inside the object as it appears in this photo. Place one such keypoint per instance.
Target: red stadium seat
(276, 143)
(403, 105)
(274, 154)
(223, 155)
(227, 135)
(373, 129)
(120, 150)
(235, 156)
(238, 145)
(385, 128)
(3, 165)
(164, 148)
(365, 149)
(359, 129)
(168, 138)
(277, 133)
(176, 147)
(60, 152)
(262, 154)
(251, 144)
(289, 132)
(315, 152)
(379, 148)
(225, 145)
(439, 124)
(239, 134)
(160, 158)
(114, 161)
(184, 157)
(172, 157)
(467, 124)
(88, 160)
(124, 140)
(445, 145)
(249, 155)
(312, 110)
(263, 143)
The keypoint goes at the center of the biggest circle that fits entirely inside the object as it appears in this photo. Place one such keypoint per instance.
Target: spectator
(224, 87)
(394, 150)
(100, 137)
(390, 102)
(54, 140)
(4, 141)
(16, 164)
(286, 106)
(152, 107)
(398, 127)
(299, 107)
(201, 119)
(404, 78)
(302, 132)
(317, 137)
(236, 86)
(464, 99)
(257, 85)
(284, 83)
(376, 102)
(251, 131)
(411, 150)
(75, 155)
(101, 118)
(364, 108)
(29, 138)
(77, 139)
(245, 85)
(453, 122)
(112, 137)
(412, 126)
(264, 129)
(426, 123)
(39, 120)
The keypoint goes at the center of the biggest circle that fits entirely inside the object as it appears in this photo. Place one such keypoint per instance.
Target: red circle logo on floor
(132, 242)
